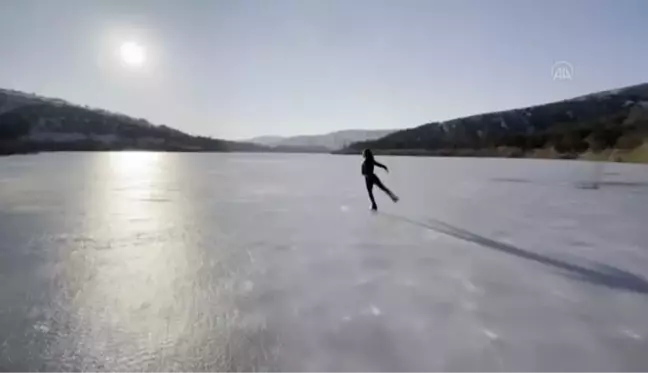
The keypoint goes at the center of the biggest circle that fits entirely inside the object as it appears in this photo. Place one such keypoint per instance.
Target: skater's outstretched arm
(380, 165)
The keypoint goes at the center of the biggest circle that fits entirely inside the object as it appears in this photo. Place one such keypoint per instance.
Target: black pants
(370, 181)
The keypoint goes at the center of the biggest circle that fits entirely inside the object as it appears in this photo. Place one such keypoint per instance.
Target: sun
(132, 54)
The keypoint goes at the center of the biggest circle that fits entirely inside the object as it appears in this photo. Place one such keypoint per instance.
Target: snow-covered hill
(607, 119)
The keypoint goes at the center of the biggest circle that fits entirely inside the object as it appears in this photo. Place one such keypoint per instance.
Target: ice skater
(371, 179)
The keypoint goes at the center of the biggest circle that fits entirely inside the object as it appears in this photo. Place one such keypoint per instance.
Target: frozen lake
(163, 262)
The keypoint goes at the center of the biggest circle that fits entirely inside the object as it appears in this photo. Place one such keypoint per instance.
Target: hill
(613, 123)
(31, 123)
(326, 142)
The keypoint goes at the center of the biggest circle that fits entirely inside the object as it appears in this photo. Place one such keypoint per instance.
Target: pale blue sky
(237, 69)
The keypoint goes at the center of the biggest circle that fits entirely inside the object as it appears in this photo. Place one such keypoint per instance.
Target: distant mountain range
(31, 123)
(613, 123)
(326, 142)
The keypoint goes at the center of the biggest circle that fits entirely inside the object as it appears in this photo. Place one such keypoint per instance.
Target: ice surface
(145, 261)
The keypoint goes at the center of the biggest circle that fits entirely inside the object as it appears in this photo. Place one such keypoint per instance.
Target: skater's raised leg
(385, 189)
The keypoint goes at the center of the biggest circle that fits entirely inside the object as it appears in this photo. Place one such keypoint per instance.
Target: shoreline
(636, 155)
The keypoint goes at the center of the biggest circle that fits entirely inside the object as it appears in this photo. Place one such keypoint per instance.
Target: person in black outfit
(371, 179)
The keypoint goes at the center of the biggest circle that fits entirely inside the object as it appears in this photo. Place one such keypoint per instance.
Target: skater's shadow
(598, 273)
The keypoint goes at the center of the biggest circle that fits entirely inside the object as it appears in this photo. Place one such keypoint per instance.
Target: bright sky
(238, 69)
